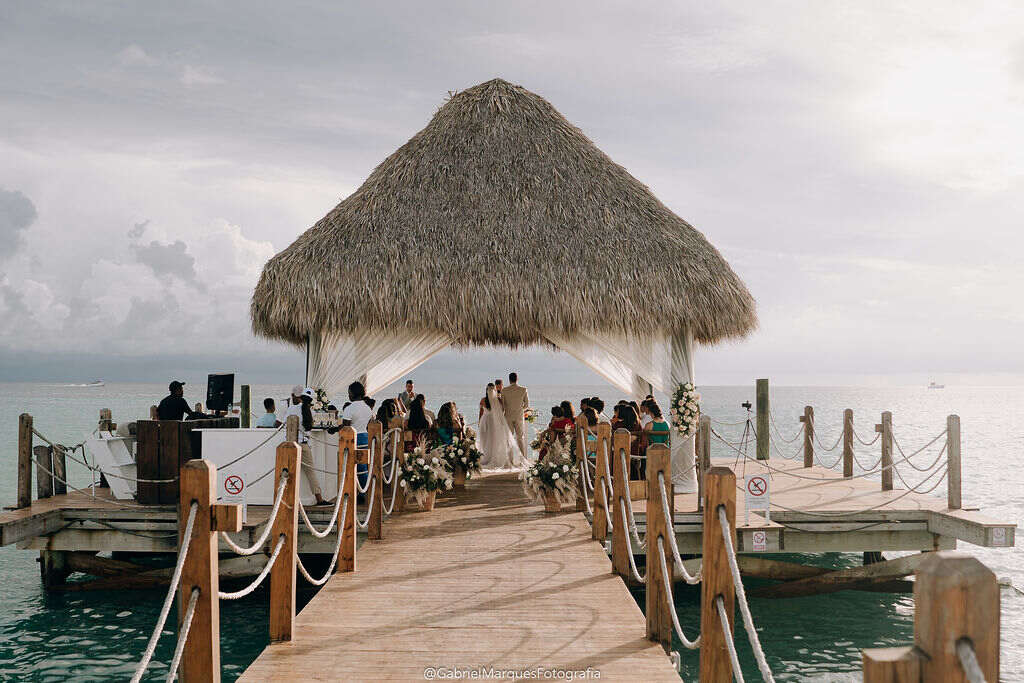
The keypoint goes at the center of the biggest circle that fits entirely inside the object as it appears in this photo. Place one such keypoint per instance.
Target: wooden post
(245, 412)
(201, 659)
(703, 457)
(399, 452)
(24, 460)
(600, 526)
(620, 489)
(659, 603)
(763, 415)
(375, 432)
(60, 472)
(847, 443)
(953, 461)
(885, 428)
(808, 419)
(44, 467)
(291, 428)
(720, 488)
(347, 554)
(282, 574)
(581, 461)
(955, 596)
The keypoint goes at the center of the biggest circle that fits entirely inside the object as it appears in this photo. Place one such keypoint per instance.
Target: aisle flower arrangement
(461, 453)
(530, 415)
(685, 409)
(423, 475)
(552, 480)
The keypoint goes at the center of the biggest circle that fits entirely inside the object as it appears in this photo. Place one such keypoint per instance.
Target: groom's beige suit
(515, 400)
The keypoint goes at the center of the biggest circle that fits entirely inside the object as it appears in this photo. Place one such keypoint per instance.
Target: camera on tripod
(747, 405)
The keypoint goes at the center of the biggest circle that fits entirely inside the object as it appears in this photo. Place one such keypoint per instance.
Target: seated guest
(656, 430)
(645, 413)
(417, 419)
(269, 418)
(627, 418)
(174, 406)
(598, 405)
(429, 413)
(559, 422)
(388, 411)
(591, 434)
(567, 412)
(449, 422)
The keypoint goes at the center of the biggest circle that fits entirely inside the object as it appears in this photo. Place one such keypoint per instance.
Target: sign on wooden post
(282, 574)
(716, 581)
(953, 461)
(763, 415)
(659, 619)
(757, 496)
(808, 419)
(375, 433)
(201, 658)
(847, 443)
(620, 491)
(347, 447)
(24, 460)
(602, 483)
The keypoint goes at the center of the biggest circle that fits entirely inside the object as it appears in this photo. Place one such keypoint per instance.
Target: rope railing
(969, 661)
(778, 432)
(677, 559)
(372, 484)
(629, 550)
(337, 503)
(730, 644)
(667, 587)
(237, 595)
(258, 545)
(334, 557)
(186, 626)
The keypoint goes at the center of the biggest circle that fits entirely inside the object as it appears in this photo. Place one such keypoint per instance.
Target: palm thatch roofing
(496, 222)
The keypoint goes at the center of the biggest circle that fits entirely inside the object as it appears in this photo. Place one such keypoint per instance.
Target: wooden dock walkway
(485, 581)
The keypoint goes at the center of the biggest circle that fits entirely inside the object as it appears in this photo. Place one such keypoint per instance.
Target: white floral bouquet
(556, 474)
(530, 415)
(461, 452)
(321, 401)
(423, 473)
(685, 409)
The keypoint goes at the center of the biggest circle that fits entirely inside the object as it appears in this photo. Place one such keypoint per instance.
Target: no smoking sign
(757, 495)
(234, 484)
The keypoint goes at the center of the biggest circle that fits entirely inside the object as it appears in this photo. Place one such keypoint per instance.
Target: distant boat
(933, 385)
(94, 383)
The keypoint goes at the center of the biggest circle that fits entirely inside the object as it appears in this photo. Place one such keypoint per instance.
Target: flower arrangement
(424, 474)
(460, 453)
(530, 415)
(685, 409)
(321, 401)
(556, 475)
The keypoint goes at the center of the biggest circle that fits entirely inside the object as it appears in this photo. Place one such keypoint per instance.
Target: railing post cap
(719, 471)
(204, 465)
(951, 567)
(349, 432)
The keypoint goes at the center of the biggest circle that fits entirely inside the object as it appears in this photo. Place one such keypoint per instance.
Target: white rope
(369, 468)
(337, 504)
(604, 496)
(186, 539)
(186, 626)
(737, 672)
(394, 453)
(369, 506)
(969, 661)
(252, 450)
(818, 440)
(666, 584)
(890, 501)
(677, 560)
(586, 489)
(748, 620)
(266, 529)
(112, 501)
(334, 558)
(259, 579)
(771, 417)
(878, 435)
(388, 509)
(629, 550)
(919, 450)
(69, 451)
(630, 520)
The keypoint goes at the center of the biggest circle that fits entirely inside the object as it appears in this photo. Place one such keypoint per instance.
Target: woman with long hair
(417, 420)
(567, 411)
(449, 422)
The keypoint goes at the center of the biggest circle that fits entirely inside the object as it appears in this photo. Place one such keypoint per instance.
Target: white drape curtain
(374, 358)
(631, 363)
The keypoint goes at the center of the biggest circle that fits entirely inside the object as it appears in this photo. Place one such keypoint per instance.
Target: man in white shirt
(295, 408)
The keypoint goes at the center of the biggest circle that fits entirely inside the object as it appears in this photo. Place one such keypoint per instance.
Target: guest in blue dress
(449, 423)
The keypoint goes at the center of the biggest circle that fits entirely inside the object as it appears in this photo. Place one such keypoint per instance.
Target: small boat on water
(94, 383)
(933, 385)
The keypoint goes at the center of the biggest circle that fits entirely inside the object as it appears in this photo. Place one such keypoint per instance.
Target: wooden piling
(581, 462)
(399, 452)
(601, 512)
(808, 419)
(659, 603)
(620, 490)
(763, 406)
(703, 457)
(245, 411)
(24, 460)
(375, 433)
(201, 659)
(953, 461)
(44, 468)
(847, 443)
(347, 553)
(282, 574)
(720, 488)
(885, 429)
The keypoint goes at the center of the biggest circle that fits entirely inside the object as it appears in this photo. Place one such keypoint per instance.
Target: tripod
(741, 448)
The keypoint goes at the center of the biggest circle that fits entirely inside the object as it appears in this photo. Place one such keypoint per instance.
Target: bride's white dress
(494, 438)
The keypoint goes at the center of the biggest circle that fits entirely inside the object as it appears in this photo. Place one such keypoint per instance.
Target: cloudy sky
(858, 164)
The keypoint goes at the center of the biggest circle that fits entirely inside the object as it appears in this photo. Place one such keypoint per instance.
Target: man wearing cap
(299, 404)
(174, 406)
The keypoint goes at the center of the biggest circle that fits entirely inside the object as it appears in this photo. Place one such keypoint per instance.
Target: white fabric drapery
(633, 364)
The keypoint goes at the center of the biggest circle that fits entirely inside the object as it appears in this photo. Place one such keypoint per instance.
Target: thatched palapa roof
(493, 224)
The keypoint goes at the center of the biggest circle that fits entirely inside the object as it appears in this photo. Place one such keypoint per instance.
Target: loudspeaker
(220, 391)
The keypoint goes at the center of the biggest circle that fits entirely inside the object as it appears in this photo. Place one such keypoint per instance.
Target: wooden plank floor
(486, 580)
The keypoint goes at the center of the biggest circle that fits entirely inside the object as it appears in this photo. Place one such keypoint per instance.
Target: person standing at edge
(174, 406)
(300, 406)
(515, 400)
(406, 398)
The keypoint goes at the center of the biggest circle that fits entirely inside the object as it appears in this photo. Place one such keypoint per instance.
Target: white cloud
(134, 55)
(195, 75)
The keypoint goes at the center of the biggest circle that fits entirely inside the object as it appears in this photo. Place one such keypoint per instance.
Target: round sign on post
(757, 496)
(234, 484)
(760, 541)
(757, 486)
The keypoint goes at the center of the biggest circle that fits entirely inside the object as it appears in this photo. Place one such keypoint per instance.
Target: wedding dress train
(494, 439)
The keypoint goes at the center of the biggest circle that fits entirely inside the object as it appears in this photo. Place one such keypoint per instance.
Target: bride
(495, 440)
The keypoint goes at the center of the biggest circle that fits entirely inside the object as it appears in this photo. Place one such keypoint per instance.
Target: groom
(515, 400)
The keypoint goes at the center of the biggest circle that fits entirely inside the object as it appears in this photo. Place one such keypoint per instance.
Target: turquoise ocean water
(98, 636)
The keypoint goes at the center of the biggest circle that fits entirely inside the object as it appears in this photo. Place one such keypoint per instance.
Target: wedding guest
(498, 384)
(655, 431)
(449, 422)
(567, 411)
(357, 413)
(591, 434)
(645, 413)
(598, 405)
(417, 419)
(406, 398)
(388, 411)
(301, 406)
(269, 418)
(559, 422)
